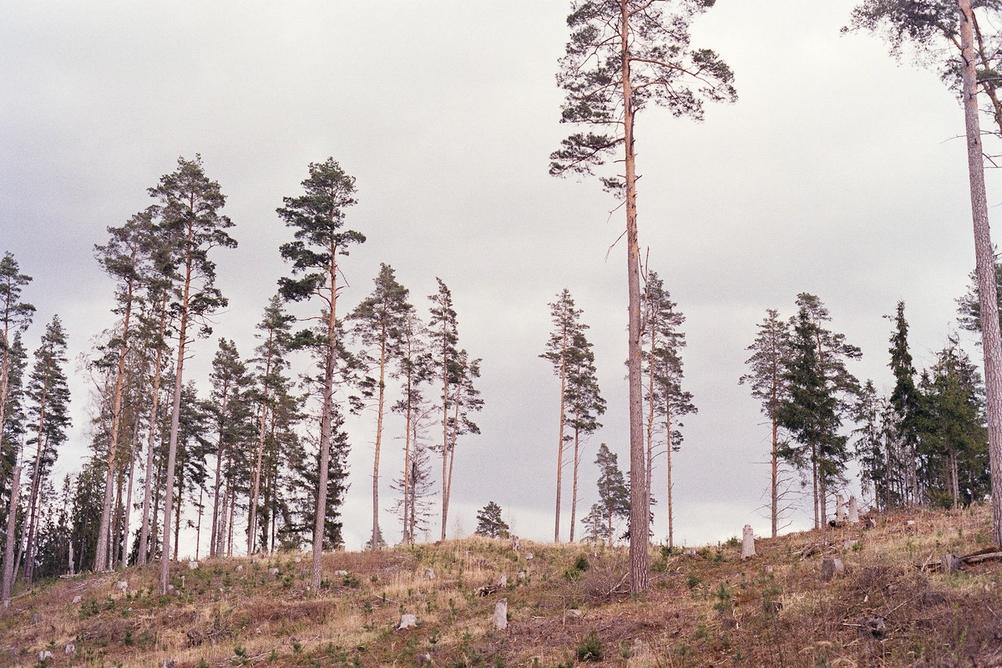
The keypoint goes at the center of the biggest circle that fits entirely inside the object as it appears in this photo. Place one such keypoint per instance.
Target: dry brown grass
(708, 609)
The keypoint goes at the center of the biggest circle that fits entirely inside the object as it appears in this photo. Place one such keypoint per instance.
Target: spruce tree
(321, 239)
(766, 376)
(624, 56)
(613, 499)
(379, 322)
(188, 216)
(953, 452)
(906, 402)
(49, 415)
(822, 393)
(489, 522)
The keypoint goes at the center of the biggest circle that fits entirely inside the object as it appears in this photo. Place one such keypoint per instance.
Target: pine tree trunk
(4, 380)
(175, 421)
(144, 529)
(985, 268)
(255, 491)
(217, 481)
(36, 482)
(7, 585)
(177, 517)
(326, 424)
(103, 556)
(118, 514)
(560, 436)
(408, 539)
(230, 522)
(650, 403)
(221, 532)
(379, 441)
(198, 525)
(252, 521)
(774, 468)
(574, 483)
(445, 434)
(639, 506)
(127, 518)
(669, 446)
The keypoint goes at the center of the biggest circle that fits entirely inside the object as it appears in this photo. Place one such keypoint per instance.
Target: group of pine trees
(260, 461)
(243, 452)
(665, 401)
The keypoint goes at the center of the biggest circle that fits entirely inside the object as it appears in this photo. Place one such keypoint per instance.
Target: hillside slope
(707, 607)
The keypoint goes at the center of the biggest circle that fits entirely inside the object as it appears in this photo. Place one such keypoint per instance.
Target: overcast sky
(836, 172)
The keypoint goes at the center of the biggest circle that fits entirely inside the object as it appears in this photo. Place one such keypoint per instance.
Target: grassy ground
(565, 607)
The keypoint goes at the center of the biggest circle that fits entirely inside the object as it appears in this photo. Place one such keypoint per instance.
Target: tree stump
(747, 542)
(853, 510)
(840, 509)
(831, 567)
(951, 563)
(500, 620)
(407, 621)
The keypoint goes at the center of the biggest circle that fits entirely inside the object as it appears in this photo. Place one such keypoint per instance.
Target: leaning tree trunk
(154, 431)
(103, 554)
(639, 506)
(985, 267)
(36, 483)
(7, 585)
(326, 424)
(175, 423)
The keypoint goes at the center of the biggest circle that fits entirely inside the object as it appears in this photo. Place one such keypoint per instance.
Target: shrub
(590, 648)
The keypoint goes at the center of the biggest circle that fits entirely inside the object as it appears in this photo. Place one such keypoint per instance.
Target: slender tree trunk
(127, 519)
(177, 516)
(562, 421)
(154, 431)
(217, 481)
(118, 514)
(175, 421)
(639, 505)
(4, 379)
(221, 532)
(985, 267)
(574, 483)
(255, 492)
(445, 433)
(379, 440)
(326, 424)
(650, 403)
(408, 539)
(36, 483)
(774, 470)
(669, 486)
(8, 551)
(198, 525)
(814, 486)
(103, 554)
(954, 479)
(452, 451)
